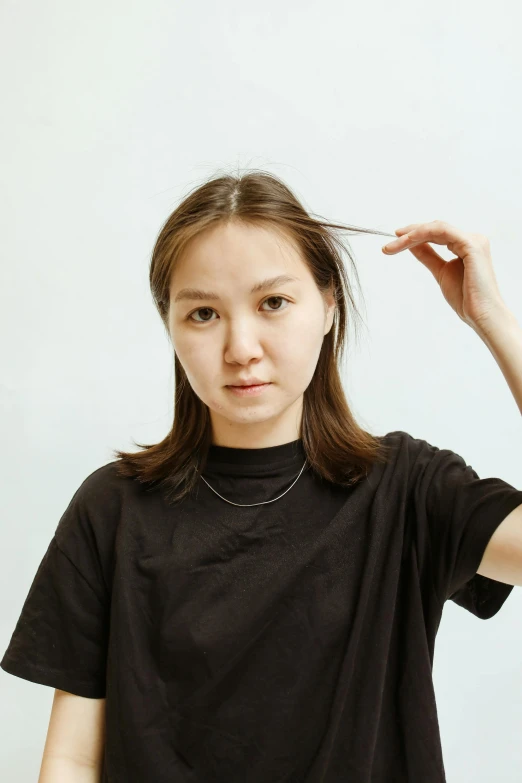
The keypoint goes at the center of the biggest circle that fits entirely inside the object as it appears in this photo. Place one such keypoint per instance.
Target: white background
(376, 115)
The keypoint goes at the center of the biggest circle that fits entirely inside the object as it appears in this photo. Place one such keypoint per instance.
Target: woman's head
(227, 236)
(226, 327)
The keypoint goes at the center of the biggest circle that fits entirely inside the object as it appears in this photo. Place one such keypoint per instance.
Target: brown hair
(337, 448)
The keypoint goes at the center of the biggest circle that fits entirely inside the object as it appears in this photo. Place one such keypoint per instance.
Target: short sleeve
(457, 512)
(61, 636)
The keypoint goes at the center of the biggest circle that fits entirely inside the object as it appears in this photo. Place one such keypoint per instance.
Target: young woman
(256, 597)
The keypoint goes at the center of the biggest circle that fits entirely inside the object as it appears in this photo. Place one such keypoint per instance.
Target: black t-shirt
(290, 641)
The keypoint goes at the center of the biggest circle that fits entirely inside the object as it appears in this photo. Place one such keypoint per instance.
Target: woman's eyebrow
(269, 282)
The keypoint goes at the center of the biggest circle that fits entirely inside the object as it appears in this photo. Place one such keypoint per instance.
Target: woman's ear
(329, 311)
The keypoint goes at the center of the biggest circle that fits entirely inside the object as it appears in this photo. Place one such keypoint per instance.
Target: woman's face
(232, 332)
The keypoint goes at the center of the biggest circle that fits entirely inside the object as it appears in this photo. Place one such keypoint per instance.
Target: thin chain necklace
(254, 504)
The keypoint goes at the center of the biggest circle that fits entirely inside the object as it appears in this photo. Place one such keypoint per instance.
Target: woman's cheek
(304, 343)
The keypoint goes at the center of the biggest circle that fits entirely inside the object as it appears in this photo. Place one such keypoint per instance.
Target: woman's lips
(247, 391)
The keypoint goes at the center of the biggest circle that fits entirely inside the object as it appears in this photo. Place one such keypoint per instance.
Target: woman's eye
(209, 309)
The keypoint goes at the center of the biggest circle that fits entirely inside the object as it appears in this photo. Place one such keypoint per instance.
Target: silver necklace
(254, 504)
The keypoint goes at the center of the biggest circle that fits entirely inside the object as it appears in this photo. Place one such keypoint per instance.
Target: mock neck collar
(283, 454)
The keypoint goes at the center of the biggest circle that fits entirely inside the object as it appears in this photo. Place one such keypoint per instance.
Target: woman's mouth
(248, 391)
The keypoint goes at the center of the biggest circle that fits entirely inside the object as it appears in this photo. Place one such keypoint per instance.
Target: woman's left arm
(469, 285)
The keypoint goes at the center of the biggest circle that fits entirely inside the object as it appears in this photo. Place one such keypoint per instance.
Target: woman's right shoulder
(95, 506)
(105, 483)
